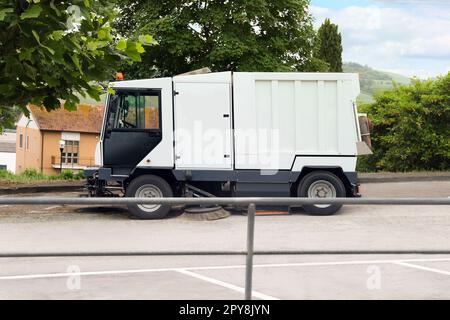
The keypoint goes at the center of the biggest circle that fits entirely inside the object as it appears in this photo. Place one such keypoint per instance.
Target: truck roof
(226, 77)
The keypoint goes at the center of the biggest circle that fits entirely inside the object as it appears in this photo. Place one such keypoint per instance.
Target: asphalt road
(74, 229)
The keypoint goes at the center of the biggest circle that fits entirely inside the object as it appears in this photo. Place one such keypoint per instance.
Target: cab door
(133, 126)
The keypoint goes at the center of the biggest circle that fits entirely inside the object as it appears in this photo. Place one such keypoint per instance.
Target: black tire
(314, 180)
(155, 187)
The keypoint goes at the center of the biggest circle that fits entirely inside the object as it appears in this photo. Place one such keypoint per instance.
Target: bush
(6, 175)
(79, 175)
(31, 174)
(66, 175)
(411, 128)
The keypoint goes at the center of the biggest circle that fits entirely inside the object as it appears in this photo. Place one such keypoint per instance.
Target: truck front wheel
(321, 184)
(149, 186)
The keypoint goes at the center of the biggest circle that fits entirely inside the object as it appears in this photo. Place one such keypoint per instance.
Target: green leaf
(94, 92)
(3, 13)
(111, 91)
(121, 45)
(52, 5)
(70, 105)
(25, 54)
(132, 52)
(51, 102)
(31, 71)
(86, 3)
(102, 34)
(92, 45)
(36, 36)
(51, 81)
(32, 12)
(52, 52)
(147, 39)
(76, 62)
(57, 35)
(139, 48)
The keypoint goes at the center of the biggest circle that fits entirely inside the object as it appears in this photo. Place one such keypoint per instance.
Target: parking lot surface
(40, 229)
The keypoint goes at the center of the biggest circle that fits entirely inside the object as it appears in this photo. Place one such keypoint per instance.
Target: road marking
(415, 266)
(4, 205)
(227, 285)
(317, 264)
(52, 207)
(241, 266)
(89, 273)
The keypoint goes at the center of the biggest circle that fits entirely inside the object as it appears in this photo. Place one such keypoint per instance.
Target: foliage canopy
(52, 50)
(240, 35)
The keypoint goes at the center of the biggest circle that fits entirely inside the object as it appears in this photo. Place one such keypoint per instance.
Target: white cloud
(388, 37)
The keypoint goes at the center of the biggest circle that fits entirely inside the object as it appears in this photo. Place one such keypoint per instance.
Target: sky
(409, 37)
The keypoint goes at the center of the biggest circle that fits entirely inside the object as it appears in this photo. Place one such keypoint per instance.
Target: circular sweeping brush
(201, 213)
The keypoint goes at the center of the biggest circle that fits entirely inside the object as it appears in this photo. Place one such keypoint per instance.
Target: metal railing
(251, 202)
(81, 162)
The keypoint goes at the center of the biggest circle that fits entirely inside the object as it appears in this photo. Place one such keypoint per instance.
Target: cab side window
(137, 111)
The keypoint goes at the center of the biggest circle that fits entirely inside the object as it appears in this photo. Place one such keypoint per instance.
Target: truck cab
(229, 134)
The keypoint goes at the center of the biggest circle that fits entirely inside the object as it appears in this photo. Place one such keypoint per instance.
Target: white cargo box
(265, 120)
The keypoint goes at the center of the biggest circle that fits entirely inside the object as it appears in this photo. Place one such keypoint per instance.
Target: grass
(32, 175)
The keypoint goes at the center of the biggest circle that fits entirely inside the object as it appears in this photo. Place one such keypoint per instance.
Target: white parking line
(90, 273)
(415, 266)
(227, 285)
(241, 266)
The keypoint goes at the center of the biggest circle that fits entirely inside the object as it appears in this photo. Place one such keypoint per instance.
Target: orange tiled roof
(87, 118)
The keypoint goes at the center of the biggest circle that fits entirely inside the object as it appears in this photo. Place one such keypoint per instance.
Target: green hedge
(411, 128)
(30, 175)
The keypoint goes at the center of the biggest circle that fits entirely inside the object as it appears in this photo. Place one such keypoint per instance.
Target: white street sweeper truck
(230, 134)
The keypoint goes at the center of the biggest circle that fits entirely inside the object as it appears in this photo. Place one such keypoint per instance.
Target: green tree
(329, 46)
(411, 128)
(239, 35)
(52, 50)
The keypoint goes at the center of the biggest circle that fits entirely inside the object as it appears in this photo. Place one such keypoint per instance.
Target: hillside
(372, 80)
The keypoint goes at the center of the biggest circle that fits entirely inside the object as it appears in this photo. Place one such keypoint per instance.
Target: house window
(21, 140)
(71, 152)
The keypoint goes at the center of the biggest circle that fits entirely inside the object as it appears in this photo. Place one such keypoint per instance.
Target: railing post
(251, 211)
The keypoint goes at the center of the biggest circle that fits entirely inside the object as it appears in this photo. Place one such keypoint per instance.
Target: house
(39, 135)
(8, 150)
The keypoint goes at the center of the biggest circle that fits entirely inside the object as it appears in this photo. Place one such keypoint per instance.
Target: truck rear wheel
(321, 184)
(149, 186)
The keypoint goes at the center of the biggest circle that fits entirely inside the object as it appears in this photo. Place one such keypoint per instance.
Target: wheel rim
(149, 191)
(321, 189)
